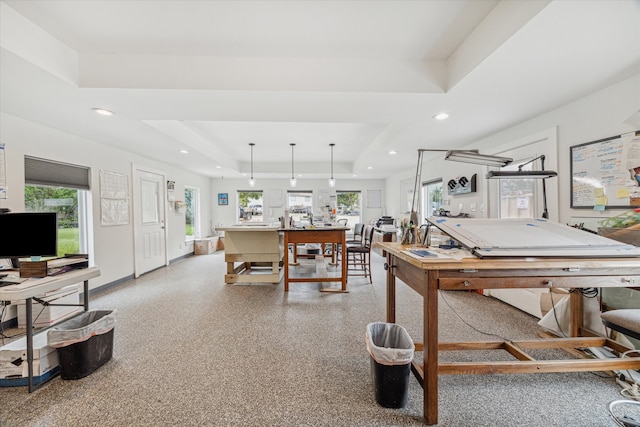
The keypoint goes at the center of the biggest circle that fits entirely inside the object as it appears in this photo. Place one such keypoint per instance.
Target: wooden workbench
(428, 275)
(249, 250)
(334, 236)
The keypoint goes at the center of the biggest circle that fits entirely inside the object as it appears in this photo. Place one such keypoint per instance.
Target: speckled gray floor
(192, 351)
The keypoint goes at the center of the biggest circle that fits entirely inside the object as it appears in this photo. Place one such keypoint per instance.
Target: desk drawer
(458, 283)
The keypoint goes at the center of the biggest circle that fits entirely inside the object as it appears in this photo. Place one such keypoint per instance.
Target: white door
(149, 220)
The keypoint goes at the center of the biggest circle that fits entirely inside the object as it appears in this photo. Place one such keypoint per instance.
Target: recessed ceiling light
(441, 116)
(354, 175)
(184, 151)
(369, 167)
(218, 167)
(392, 152)
(103, 112)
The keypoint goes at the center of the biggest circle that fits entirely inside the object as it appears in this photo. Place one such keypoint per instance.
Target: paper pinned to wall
(276, 198)
(374, 199)
(3, 173)
(114, 198)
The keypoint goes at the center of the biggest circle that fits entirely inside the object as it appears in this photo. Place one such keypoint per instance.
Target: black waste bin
(84, 343)
(391, 352)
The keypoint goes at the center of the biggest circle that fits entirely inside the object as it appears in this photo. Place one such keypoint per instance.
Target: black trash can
(84, 343)
(391, 352)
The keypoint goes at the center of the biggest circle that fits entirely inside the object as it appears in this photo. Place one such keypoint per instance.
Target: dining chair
(359, 255)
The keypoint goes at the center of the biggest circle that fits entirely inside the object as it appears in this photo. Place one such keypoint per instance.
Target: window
(517, 196)
(432, 197)
(250, 206)
(300, 205)
(63, 188)
(192, 215)
(349, 206)
(66, 202)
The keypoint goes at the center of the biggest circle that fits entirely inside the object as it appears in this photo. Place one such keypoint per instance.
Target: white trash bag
(389, 344)
(81, 328)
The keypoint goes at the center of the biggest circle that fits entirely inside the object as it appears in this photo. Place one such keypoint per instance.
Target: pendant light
(292, 181)
(252, 182)
(332, 182)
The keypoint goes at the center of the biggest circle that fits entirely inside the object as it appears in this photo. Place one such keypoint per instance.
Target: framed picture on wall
(223, 198)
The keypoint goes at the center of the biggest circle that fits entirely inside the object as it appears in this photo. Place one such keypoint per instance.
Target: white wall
(113, 246)
(227, 215)
(593, 117)
(596, 116)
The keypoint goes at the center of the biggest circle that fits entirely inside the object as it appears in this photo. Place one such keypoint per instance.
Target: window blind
(56, 174)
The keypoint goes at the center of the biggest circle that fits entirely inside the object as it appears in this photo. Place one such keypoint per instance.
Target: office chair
(359, 256)
(625, 412)
(624, 320)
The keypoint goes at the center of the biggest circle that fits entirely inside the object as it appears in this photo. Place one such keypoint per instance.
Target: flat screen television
(35, 235)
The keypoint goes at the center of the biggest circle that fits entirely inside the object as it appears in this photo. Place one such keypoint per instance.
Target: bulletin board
(606, 173)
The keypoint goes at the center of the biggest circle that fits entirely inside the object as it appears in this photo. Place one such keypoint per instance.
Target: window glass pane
(63, 201)
(250, 206)
(192, 214)
(349, 206)
(150, 202)
(432, 197)
(517, 196)
(300, 205)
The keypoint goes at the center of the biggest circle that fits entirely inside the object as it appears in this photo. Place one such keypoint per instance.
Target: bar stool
(359, 256)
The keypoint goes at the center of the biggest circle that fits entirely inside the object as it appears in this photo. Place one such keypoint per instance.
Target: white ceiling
(212, 76)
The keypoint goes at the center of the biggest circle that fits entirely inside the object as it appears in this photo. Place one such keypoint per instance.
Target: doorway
(150, 233)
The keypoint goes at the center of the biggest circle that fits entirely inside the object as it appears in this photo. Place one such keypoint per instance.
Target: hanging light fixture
(292, 181)
(332, 182)
(252, 182)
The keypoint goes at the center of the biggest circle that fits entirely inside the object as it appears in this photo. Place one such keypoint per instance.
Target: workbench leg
(29, 314)
(576, 312)
(85, 299)
(430, 353)
(343, 243)
(391, 290)
(286, 261)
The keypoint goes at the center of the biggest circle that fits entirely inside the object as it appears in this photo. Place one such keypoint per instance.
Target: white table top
(37, 286)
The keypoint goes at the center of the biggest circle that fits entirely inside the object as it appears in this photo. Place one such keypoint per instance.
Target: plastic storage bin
(83, 343)
(391, 351)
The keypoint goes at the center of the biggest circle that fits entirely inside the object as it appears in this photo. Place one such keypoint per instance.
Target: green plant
(624, 220)
(68, 241)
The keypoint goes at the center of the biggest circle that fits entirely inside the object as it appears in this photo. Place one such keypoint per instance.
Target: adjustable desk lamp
(463, 156)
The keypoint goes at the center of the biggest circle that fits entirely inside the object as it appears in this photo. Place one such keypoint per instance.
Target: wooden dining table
(428, 275)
